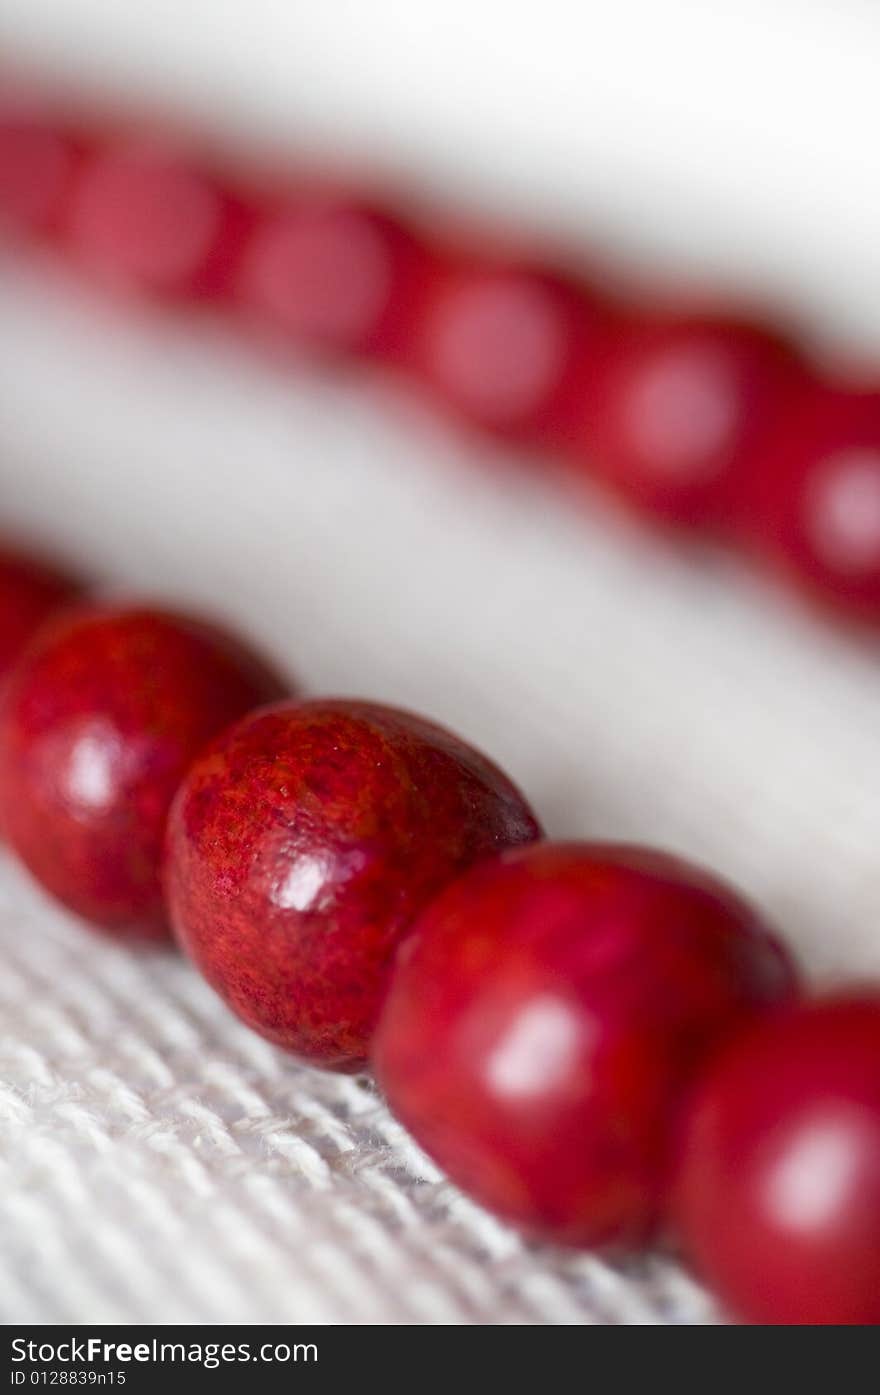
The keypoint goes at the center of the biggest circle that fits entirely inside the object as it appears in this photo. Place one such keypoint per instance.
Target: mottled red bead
(505, 347)
(144, 219)
(675, 409)
(546, 1018)
(100, 720)
(811, 505)
(30, 590)
(332, 275)
(301, 847)
(778, 1197)
(38, 159)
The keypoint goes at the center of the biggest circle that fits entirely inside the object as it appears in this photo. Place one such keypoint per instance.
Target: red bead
(37, 163)
(100, 720)
(302, 846)
(779, 1190)
(812, 505)
(676, 409)
(504, 347)
(30, 590)
(331, 275)
(144, 219)
(546, 1018)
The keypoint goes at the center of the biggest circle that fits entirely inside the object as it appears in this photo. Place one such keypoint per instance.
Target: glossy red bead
(100, 720)
(676, 408)
(778, 1197)
(546, 1018)
(504, 347)
(30, 590)
(812, 503)
(144, 219)
(331, 275)
(300, 849)
(38, 159)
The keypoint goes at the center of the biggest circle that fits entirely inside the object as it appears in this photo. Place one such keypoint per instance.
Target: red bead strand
(506, 347)
(301, 847)
(100, 720)
(546, 1018)
(674, 410)
(778, 1194)
(677, 413)
(811, 505)
(331, 275)
(594, 1041)
(144, 219)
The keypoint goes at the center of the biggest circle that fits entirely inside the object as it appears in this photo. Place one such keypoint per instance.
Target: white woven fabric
(157, 1162)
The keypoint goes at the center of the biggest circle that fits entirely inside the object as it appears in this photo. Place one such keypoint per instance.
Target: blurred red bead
(302, 845)
(30, 590)
(505, 347)
(778, 1198)
(812, 506)
(331, 275)
(99, 722)
(676, 409)
(546, 1018)
(38, 159)
(144, 219)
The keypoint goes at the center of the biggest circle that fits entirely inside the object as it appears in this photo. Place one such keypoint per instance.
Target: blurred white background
(731, 137)
(634, 692)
